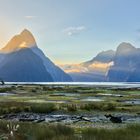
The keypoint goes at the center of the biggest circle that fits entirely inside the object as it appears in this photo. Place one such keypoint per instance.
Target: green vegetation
(98, 106)
(32, 131)
(46, 99)
(69, 100)
(42, 108)
(129, 133)
(17, 107)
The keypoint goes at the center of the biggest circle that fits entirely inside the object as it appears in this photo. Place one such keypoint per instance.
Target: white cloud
(30, 17)
(70, 31)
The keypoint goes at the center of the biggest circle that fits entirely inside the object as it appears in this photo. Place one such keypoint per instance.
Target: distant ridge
(122, 65)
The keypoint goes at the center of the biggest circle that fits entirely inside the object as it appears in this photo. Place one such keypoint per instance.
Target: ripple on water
(92, 99)
(66, 94)
(135, 101)
(6, 94)
(109, 94)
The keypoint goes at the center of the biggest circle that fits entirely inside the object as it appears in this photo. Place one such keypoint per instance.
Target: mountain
(122, 65)
(22, 61)
(104, 57)
(24, 66)
(24, 40)
(94, 70)
(126, 64)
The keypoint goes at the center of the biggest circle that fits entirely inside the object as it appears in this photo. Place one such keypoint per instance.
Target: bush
(34, 90)
(98, 106)
(91, 106)
(42, 108)
(71, 107)
(109, 107)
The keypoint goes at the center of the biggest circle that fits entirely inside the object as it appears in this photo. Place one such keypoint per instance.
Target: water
(47, 101)
(109, 94)
(66, 94)
(95, 84)
(135, 101)
(92, 99)
(6, 94)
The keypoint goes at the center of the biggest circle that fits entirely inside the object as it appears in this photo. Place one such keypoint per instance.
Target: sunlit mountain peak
(24, 40)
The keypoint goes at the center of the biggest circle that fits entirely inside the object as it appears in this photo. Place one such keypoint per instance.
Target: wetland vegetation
(69, 112)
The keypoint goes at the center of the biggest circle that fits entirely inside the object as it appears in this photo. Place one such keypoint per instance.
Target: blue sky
(72, 31)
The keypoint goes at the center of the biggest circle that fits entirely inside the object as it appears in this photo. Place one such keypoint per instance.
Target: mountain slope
(15, 51)
(126, 64)
(104, 57)
(122, 65)
(24, 66)
(57, 74)
(91, 71)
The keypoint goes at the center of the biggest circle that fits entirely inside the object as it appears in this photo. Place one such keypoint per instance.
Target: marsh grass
(7, 89)
(131, 132)
(32, 131)
(17, 107)
(34, 98)
(98, 106)
(43, 108)
(71, 107)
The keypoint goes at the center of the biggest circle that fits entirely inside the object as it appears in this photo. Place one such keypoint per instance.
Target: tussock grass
(131, 132)
(17, 107)
(98, 106)
(32, 131)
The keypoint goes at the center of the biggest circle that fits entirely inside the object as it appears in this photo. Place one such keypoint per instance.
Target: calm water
(94, 84)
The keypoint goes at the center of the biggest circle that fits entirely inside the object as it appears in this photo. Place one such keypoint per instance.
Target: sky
(72, 31)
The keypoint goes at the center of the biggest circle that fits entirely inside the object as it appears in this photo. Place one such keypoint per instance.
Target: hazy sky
(72, 31)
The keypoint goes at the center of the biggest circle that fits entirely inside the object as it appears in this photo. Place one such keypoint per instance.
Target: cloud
(96, 67)
(70, 31)
(30, 17)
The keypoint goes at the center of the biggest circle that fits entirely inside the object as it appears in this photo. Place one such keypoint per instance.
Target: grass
(43, 108)
(39, 95)
(98, 106)
(38, 106)
(32, 131)
(129, 133)
(17, 107)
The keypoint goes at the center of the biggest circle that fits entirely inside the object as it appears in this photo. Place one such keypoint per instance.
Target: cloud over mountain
(70, 31)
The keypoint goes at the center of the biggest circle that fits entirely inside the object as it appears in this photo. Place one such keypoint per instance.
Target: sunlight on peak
(23, 45)
(23, 40)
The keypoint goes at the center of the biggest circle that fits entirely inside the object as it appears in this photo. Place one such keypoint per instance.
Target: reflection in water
(92, 99)
(6, 94)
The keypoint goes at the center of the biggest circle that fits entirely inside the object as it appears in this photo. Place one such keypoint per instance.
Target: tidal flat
(69, 112)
